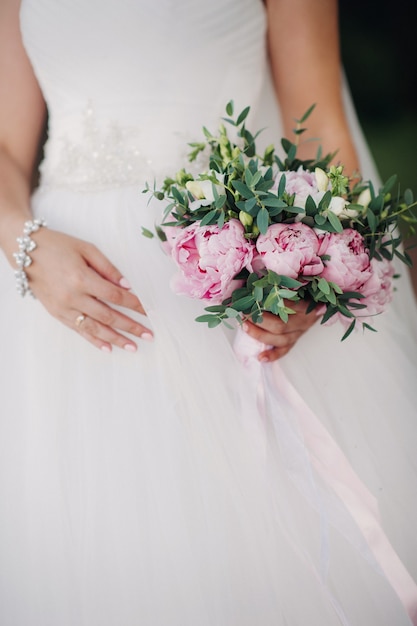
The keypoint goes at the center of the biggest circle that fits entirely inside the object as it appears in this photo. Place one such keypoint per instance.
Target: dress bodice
(129, 82)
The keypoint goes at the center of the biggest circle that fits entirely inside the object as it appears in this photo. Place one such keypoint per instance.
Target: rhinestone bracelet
(23, 260)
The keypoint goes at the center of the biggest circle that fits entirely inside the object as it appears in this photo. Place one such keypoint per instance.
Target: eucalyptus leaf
(242, 116)
(210, 218)
(335, 222)
(147, 233)
(262, 220)
(243, 304)
(242, 189)
(230, 107)
(205, 318)
(215, 321)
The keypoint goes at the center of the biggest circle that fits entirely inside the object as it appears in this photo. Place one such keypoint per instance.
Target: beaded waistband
(102, 155)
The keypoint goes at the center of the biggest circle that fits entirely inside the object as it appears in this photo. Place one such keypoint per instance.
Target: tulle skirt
(182, 485)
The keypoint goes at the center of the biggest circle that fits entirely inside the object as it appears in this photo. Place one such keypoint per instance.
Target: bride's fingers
(107, 316)
(101, 336)
(102, 265)
(104, 290)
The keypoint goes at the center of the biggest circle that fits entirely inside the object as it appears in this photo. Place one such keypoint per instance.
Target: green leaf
(334, 221)
(250, 204)
(365, 325)
(272, 201)
(286, 281)
(405, 258)
(323, 286)
(242, 189)
(262, 220)
(372, 220)
(232, 312)
(147, 233)
(258, 293)
(311, 207)
(221, 219)
(320, 220)
(162, 236)
(292, 152)
(271, 301)
(287, 293)
(230, 107)
(330, 311)
(325, 201)
(331, 297)
(215, 321)
(248, 177)
(389, 184)
(243, 304)
(242, 116)
(349, 330)
(408, 196)
(215, 308)
(210, 218)
(334, 286)
(286, 144)
(205, 318)
(220, 201)
(307, 114)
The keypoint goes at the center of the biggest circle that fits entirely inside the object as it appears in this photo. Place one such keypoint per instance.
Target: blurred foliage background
(379, 54)
(380, 58)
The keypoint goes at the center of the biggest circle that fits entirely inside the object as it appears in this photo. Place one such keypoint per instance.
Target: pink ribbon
(331, 465)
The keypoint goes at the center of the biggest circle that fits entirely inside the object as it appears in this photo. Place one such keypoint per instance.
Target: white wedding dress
(178, 486)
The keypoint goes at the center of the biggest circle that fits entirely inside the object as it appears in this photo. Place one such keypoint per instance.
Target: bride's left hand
(279, 335)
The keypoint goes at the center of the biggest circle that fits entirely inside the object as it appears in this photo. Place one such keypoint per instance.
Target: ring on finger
(80, 319)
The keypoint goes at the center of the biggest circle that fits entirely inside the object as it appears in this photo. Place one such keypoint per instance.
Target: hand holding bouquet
(256, 233)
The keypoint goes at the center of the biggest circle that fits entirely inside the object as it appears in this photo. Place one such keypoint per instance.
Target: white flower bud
(364, 197)
(322, 179)
(245, 218)
(195, 189)
(339, 206)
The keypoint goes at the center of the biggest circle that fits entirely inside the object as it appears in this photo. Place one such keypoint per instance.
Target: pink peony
(378, 292)
(349, 265)
(290, 250)
(302, 183)
(378, 289)
(209, 259)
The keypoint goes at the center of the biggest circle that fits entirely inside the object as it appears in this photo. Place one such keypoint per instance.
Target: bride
(147, 475)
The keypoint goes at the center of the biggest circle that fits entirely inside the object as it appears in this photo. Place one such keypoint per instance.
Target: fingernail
(123, 282)
(106, 348)
(147, 336)
(245, 327)
(130, 347)
(264, 359)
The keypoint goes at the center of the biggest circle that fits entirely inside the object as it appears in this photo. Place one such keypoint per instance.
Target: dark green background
(379, 53)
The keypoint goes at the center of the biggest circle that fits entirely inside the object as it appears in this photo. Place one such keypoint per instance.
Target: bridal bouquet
(255, 233)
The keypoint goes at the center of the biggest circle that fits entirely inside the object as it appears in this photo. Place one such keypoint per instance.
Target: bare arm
(303, 43)
(68, 276)
(22, 115)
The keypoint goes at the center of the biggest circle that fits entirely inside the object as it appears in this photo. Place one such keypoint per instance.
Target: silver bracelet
(23, 260)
